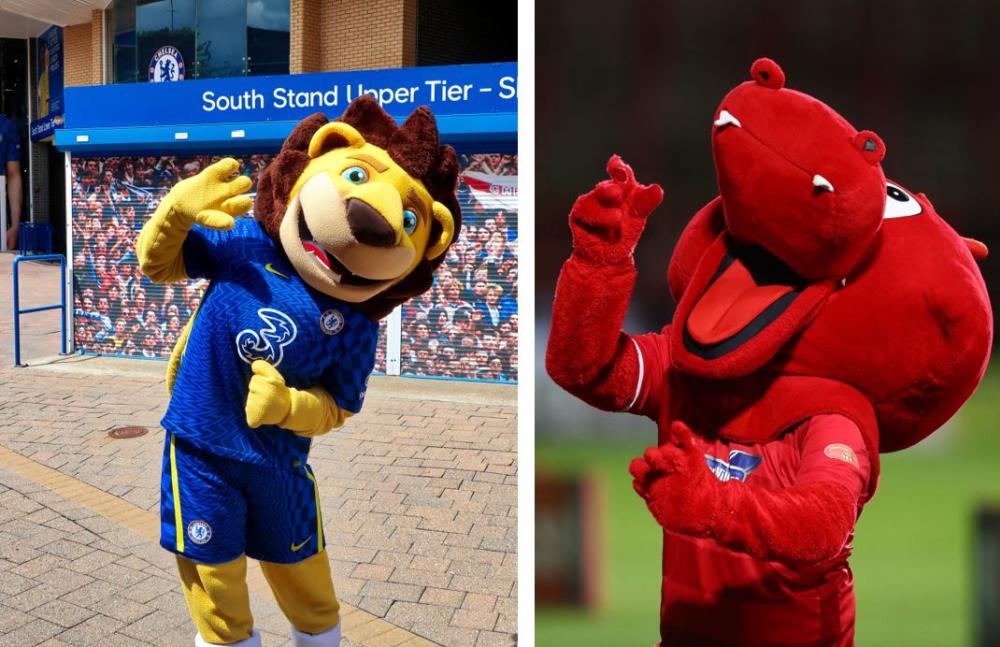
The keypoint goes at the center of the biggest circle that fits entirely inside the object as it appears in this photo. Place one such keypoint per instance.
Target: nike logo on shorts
(297, 547)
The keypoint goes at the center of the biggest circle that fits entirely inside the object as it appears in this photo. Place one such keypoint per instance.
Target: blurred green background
(912, 559)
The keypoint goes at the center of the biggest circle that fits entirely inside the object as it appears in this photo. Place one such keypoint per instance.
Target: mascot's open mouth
(748, 291)
(328, 260)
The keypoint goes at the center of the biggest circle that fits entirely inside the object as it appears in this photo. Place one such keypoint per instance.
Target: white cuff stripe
(642, 372)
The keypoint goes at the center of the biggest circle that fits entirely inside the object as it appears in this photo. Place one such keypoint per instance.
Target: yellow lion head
(364, 209)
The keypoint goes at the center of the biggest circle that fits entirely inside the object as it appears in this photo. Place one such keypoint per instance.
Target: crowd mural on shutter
(465, 327)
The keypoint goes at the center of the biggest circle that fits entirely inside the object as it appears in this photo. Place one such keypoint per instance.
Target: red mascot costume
(824, 315)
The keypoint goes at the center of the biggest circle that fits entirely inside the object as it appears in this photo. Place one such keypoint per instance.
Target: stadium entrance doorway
(14, 106)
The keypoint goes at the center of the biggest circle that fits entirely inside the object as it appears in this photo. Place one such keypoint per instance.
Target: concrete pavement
(418, 495)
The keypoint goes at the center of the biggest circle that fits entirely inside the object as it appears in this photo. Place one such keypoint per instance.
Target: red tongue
(316, 251)
(730, 303)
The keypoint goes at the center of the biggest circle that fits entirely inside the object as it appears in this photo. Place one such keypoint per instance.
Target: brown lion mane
(415, 146)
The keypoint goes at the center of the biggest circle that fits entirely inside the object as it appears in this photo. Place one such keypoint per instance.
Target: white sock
(252, 641)
(329, 638)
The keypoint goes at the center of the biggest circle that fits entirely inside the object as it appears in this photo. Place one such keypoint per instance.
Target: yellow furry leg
(218, 599)
(304, 592)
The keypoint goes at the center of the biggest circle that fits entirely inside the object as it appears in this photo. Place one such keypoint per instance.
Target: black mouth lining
(304, 233)
(766, 269)
(346, 276)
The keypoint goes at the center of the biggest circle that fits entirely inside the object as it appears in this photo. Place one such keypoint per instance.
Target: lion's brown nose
(368, 225)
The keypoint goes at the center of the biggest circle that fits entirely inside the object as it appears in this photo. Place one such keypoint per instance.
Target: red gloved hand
(808, 522)
(676, 483)
(607, 222)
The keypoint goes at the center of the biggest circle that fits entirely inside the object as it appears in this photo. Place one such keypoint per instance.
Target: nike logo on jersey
(738, 468)
(270, 268)
(297, 547)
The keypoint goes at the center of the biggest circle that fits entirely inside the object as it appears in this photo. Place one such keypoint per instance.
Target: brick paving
(418, 495)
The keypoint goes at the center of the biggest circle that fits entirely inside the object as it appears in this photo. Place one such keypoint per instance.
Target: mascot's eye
(899, 203)
(355, 175)
(409, 221)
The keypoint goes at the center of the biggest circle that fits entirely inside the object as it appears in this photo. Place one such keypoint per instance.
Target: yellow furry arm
(270, 401)
(159, 245)
(210, 199)
(313, 412)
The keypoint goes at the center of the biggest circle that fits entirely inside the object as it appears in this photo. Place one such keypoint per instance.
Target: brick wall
(82, 52)
(304, 50)
(77, 54)
(343, 35)
(96, 47)
(376, 34)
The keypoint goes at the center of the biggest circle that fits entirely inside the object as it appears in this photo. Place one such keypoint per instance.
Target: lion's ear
(335, 134)
(444, 218)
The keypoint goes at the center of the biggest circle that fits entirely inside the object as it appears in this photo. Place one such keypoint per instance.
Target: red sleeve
(833, 450)
(654, 365)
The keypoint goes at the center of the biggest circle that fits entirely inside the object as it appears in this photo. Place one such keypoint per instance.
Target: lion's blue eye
(409, 221)
(355, 175)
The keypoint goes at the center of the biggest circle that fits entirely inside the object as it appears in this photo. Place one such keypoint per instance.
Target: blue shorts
(214, 509)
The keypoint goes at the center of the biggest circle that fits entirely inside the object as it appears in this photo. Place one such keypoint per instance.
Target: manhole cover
(128, 432)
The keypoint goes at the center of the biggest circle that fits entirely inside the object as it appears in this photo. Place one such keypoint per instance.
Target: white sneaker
(329, 638)
(252, 641)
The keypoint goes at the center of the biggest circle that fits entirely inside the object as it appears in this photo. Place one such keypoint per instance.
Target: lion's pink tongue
(316, 251)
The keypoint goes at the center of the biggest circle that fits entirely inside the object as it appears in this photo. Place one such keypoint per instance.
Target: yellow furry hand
(269, 400)
(309, 412)
(212, 197)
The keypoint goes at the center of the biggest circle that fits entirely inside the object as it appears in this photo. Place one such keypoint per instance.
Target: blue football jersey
(257, 307)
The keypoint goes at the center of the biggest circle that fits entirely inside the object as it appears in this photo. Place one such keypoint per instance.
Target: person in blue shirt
(494, 309)
(10, 163)
(347, 225)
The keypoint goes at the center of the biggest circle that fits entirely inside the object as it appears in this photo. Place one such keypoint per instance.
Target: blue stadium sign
(448, 90)
(473, 104)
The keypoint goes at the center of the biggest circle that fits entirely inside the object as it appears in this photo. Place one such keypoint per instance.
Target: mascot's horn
(979, 250)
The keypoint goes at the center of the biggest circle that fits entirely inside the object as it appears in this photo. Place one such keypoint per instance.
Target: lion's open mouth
(327, 259)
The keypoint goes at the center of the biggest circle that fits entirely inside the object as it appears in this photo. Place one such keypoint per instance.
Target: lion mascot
(824, 315)
(351, 219)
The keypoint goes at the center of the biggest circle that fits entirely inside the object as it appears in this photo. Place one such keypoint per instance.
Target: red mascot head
(810, 263)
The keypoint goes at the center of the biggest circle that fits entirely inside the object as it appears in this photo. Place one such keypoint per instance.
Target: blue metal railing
(17, 301)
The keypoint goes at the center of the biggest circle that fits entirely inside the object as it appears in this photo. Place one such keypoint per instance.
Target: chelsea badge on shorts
(331, 321)
(199, 531)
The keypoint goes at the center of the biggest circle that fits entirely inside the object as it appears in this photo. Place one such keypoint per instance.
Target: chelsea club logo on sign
(167, 65)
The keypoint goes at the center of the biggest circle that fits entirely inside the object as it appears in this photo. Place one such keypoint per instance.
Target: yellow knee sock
(304, 592)
(218, 599)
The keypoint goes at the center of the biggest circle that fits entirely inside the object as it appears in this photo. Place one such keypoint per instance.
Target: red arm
(810, 521)
(587, 353)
